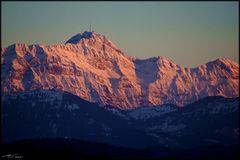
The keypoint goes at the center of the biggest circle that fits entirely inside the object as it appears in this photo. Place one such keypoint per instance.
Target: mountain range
(90, 66)
(86, 97)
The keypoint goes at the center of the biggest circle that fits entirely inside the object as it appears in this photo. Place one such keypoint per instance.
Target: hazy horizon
(189, 33)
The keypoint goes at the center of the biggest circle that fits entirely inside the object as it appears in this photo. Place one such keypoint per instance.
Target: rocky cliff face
(93, 68)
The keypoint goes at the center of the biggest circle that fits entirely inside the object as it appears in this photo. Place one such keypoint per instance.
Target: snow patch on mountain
(145, 113)
(165, 127)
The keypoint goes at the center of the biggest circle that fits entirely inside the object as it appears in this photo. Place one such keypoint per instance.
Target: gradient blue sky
(189, 33)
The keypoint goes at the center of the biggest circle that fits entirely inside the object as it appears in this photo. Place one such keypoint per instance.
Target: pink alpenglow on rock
(93, 68)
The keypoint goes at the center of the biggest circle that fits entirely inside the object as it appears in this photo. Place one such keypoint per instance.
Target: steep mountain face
(92, 67)
(53, 114)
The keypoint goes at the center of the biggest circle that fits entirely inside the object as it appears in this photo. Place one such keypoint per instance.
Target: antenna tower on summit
(90, 27)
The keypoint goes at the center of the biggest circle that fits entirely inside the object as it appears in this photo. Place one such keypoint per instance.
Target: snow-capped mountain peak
(85, 35)
(90, 66)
